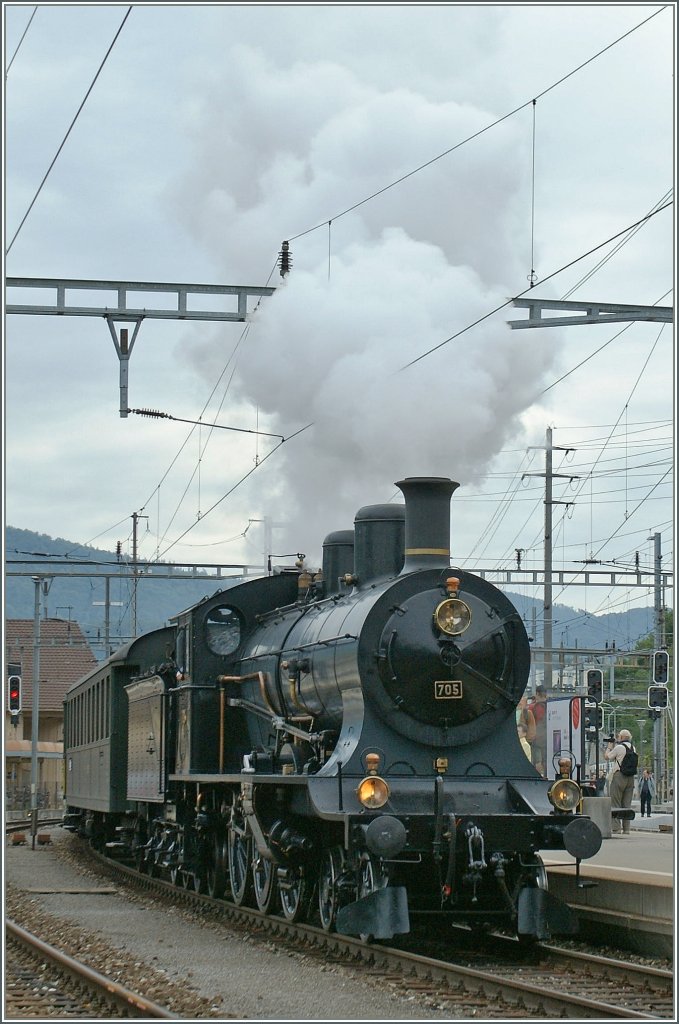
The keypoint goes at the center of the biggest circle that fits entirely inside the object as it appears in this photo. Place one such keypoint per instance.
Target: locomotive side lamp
(373, 792)
(564, 795)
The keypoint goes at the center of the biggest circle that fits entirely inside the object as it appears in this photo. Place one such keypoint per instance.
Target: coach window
(223, 630)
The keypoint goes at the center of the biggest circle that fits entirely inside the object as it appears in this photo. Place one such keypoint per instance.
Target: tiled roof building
(65, 656)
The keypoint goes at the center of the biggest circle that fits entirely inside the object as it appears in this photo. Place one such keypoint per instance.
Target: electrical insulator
(284, 259)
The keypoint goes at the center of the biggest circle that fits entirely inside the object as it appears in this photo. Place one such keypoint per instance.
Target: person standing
(646, 791)
(621, 787)
(525, 745)
(524, 716)
(538, 707)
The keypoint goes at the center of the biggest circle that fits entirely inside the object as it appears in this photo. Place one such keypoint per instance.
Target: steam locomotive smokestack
(427, 521)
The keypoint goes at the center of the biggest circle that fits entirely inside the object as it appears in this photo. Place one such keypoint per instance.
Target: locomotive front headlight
(373, 792)
(564, 795)
(452, 616)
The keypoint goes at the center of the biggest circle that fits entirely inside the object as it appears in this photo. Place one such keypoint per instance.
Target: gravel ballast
(197, 968)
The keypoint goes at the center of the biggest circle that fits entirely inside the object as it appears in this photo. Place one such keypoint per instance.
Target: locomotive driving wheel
(139, 841)
(240, 857)
(328, 886)
(293, 895)
(217, 866)
(371, 877)
(176, 854)
(194, 873)
(264, 881)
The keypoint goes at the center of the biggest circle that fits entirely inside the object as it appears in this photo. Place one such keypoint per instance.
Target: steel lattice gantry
(126, 306)
(587, 313)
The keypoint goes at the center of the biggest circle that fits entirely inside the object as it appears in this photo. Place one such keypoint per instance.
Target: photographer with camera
(621, 786)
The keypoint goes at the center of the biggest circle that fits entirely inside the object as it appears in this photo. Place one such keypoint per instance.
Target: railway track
(42, 981)
(501, 982)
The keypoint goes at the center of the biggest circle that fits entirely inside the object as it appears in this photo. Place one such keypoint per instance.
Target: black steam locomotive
(341, 742)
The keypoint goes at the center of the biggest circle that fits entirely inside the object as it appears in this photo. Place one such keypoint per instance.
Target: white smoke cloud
(381, 286)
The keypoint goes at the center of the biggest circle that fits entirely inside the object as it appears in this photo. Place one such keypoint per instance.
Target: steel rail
(135, 1004)
(483, 984)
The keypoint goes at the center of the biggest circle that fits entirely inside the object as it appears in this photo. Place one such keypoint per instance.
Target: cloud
(365, 297)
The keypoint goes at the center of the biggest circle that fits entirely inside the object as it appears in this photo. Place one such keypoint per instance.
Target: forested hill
(81, 598)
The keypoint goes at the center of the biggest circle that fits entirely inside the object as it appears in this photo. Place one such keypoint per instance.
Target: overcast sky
(213, 133)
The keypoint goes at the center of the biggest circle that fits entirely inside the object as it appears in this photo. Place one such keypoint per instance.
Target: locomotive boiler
(343, 743)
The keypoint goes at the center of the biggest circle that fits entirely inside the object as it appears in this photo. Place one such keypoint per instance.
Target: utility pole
(107, 602)
(41, 584)
(549, 475)
(107, 616)
(269, 527)
(659, 732)
(35, 714)
(135, 572)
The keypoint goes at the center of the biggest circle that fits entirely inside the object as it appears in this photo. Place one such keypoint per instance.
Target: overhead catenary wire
(532, 277)
(614, 251)
(23, 36)
(475, 135)
(156, 414)
(235, 486)
(544, 280)
(63, 142)
(232, 358)
(595, 352)
(329, 222)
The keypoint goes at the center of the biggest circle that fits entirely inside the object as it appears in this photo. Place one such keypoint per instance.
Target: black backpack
(628, 765)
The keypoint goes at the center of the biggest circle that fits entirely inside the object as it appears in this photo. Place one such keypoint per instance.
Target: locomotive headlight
(564, 795)
(373, 792)
(452, 616)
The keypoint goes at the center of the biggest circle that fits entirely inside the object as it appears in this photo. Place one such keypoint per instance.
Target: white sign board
(564, 733)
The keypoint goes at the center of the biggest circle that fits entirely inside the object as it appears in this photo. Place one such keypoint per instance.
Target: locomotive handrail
(303, 647)
(238, 679)
(279, 723)
(261, 676)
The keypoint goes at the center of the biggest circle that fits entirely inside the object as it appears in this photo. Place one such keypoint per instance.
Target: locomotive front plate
(447, 689)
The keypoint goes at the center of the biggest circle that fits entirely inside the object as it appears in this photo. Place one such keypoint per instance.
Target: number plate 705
(447, 689)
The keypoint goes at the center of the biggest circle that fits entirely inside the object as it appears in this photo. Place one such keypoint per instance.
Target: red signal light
(14, 695)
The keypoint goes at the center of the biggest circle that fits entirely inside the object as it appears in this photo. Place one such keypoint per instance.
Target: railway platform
(625, 893)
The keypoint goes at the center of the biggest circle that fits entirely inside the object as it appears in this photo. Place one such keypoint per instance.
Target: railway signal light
(594, 718)
(14, 695)
(595, 684)
(661, 664)
(657, 696)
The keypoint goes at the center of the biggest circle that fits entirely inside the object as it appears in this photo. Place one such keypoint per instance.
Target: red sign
(575, 713)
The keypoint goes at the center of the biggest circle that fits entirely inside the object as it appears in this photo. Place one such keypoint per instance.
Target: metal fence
(18, 798)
